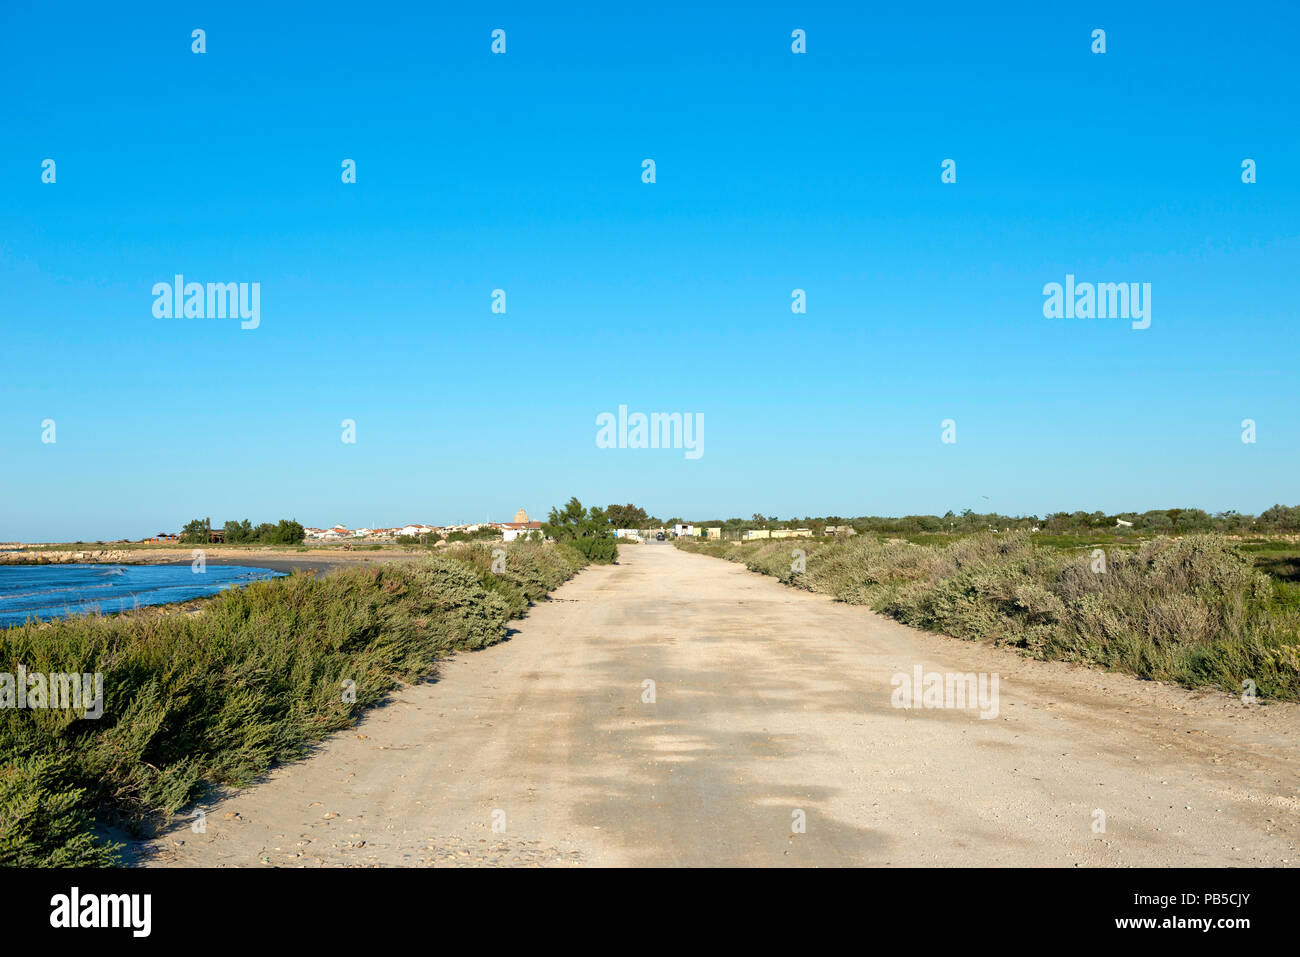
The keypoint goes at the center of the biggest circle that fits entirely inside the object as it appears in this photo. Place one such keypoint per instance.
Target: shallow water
(56, 591)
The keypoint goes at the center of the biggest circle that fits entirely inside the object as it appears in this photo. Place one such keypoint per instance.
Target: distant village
(522, 526)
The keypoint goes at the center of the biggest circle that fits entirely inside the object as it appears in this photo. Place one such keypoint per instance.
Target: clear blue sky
(523, 172)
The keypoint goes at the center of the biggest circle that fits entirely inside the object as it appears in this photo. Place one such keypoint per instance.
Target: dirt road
(768, 702)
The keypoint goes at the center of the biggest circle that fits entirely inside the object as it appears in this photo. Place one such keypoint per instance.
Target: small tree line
(1279, 518)
(285, 532)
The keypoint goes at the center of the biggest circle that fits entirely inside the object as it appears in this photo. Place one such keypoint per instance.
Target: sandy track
(769, 700)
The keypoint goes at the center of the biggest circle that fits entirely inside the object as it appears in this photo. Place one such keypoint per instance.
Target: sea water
(55, 591)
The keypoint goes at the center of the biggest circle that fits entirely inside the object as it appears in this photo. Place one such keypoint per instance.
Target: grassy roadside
(252, 679)
(1195, 610)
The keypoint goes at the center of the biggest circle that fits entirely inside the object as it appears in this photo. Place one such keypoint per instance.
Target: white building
(512, 530)
(414, 530)
(521, 526)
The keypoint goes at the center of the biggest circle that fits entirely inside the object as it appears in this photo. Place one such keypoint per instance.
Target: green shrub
(219, 696)
(599, 549)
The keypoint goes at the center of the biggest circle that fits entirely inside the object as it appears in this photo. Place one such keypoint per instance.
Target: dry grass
(1191, 610)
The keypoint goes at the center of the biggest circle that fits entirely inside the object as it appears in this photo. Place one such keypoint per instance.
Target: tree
(626, 516)
(574, 521)
(1281, 517)
(284, 532)
(587, 530)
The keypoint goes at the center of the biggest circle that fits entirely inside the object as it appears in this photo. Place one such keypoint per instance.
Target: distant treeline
(285, 532)
(1279, 518)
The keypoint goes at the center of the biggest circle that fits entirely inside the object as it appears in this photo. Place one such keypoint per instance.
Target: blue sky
(522, 171)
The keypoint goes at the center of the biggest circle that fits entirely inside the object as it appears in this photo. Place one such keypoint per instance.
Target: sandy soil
(769, 701)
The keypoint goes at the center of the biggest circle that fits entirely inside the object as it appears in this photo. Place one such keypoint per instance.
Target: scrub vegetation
(218, 696)
(1196, 610)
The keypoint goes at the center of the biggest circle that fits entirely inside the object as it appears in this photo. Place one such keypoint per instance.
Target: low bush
(599, 549)
(253, 678)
